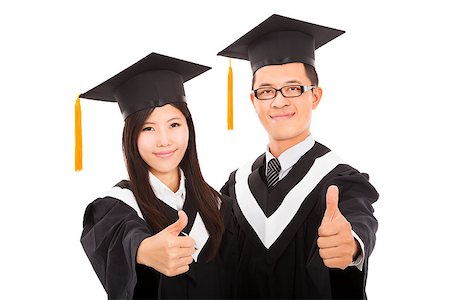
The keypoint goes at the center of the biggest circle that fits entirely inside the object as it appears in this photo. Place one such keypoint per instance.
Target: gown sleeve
(356, 197)
(112, 233)
(230, 250)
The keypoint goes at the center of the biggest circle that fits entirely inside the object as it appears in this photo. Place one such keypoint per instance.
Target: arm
(112, 232)
(229, 249)
(355, 198)
(115, 238)
(348, 217)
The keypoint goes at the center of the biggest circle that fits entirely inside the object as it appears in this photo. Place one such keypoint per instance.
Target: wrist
(356, 250)
(140, 254)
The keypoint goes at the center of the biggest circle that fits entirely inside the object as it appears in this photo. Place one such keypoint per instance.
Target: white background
(385, 110)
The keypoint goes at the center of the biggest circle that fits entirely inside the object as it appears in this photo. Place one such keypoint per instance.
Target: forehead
(164, 113)
(280, 74)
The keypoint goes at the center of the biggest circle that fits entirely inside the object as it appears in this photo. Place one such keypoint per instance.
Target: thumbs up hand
(167, 252)
(337, 246)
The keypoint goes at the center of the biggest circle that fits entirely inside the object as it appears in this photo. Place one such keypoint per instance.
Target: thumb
(179, 225)
(332, 199)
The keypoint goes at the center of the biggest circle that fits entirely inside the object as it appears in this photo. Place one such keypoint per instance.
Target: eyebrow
(294, 81)
(174, 119)
(170, 120)
(287, 82)
(265, 84)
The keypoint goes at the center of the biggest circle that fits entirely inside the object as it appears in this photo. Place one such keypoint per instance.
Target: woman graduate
(164, 233)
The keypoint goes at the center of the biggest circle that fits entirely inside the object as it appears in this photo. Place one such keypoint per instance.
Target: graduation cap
(279, 40)
(154, 81)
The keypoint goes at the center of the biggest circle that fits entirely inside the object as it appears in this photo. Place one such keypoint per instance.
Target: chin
(165, 168)
(287, 136)
(282, 134)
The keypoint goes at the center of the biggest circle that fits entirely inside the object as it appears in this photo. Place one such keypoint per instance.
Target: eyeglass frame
(304, 89)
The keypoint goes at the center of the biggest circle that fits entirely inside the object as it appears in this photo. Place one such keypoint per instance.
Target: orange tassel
(230, 98)
(78, 137)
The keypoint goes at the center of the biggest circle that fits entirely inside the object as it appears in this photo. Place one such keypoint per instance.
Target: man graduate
(306, 219)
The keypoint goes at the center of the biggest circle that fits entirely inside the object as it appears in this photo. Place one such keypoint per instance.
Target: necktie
(273, 170)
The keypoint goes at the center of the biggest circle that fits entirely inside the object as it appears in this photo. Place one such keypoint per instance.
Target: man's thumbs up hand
(337, 246)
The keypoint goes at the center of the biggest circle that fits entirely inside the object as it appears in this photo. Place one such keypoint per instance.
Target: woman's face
(163, 140)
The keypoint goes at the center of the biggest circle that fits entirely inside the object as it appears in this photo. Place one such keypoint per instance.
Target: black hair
(310, 73)
(207, 199)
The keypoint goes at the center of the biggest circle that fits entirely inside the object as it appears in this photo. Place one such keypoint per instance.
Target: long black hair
(207, 199)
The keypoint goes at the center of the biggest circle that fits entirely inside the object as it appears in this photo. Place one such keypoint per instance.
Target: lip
(164, 154)
(283, 116)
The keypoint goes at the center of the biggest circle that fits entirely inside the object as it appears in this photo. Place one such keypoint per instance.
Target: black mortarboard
(279, 40)
(153, 81)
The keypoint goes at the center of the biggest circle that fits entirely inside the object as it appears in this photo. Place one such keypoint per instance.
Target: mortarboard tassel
(78, 139)
(230, 97)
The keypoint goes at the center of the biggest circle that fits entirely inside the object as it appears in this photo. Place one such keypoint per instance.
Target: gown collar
(173, 199)
(289, 157)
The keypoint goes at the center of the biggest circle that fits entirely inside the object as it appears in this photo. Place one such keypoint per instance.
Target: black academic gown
(112, 232)
(291, 266)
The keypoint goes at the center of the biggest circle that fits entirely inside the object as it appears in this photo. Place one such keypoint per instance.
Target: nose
(163, 138)
(279, 101)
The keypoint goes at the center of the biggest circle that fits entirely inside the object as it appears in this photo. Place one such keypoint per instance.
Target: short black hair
(310, 73)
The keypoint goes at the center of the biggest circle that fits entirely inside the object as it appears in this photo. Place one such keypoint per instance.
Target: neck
(171, 179)
(277, 147)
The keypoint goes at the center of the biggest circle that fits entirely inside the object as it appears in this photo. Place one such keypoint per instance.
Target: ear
(317, 95)
(252, 98)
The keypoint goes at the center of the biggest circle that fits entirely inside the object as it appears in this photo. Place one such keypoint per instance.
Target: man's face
(286, 120)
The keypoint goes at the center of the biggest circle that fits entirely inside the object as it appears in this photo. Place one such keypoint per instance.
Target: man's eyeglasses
(289, 91)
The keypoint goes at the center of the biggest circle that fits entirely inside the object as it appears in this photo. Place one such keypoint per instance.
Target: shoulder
(339, 172)
(226, 208)
(343, 168)
(226, 202)
(351, 183)
(119, 197)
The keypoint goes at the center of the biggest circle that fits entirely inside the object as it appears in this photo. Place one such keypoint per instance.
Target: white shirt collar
(162, 192)
(290, 156)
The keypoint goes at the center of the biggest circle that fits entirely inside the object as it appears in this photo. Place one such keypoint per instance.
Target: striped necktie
(273, 170)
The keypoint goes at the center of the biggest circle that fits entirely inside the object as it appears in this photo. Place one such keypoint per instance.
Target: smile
(164, 154)
(281, 116)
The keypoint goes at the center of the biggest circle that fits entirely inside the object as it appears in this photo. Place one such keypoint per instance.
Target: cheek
(182, 139)
(262, 112)
(304, 117)
(305, 108)
(145, 144)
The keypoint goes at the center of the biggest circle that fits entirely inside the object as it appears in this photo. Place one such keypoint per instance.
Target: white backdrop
(385, 110)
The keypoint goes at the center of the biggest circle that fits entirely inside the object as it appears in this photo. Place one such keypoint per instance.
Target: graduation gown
(113, 228)
(278, 227)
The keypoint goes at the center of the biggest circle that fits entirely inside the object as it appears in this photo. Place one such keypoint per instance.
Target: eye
(175, 125)
(294, 88)
(265, 91)
(148, 128)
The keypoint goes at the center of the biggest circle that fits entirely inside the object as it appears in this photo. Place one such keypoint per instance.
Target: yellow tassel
(230, 98)
(78, 138)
